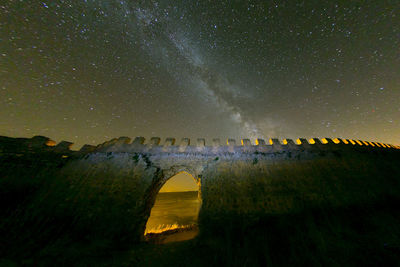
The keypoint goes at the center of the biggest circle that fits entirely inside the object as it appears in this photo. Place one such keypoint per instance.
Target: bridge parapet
(155, 145)
(231, 146)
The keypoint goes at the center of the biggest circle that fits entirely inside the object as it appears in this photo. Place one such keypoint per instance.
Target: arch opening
(174, 214)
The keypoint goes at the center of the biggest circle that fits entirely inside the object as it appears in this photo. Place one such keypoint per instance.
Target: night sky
(89, 71)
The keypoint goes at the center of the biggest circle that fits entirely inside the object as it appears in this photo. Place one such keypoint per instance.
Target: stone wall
(107, 191)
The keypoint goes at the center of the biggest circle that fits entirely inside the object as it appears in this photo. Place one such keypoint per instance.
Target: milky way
(89, 71)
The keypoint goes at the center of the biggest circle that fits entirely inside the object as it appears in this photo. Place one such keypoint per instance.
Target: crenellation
(185, 143)
(303, 143)
(231, 142)
(170, 141)
(245, 142)
(365, 143)
(274, 141)
(39, 141)
(321, 144)
(260, 142)
(63, 146)
(329, 141)
(169, 145)
(138, 140)
(216, 142)
(371, 144)
(275, 144)
(124, 144)
(341, 141)
(103, 146)
(87, 149)
(155, 141)
(201, 143)
(124, 140)
(137, 145)
(358, 142)
(288, 143)
(270, 141)
(50, 143)
(115, 144)
(352, 142)
(316, 142)
(377, 144)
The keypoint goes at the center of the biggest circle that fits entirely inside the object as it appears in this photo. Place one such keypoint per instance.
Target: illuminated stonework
(110, 189)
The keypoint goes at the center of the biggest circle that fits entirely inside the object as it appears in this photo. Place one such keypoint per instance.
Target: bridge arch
(162, 179)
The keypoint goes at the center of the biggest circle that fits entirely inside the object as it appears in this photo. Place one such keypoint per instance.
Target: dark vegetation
(333, 237)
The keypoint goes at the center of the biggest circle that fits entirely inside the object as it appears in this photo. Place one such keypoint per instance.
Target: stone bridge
(108, 190)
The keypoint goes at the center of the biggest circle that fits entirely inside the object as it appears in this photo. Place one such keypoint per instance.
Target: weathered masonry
(108, 190)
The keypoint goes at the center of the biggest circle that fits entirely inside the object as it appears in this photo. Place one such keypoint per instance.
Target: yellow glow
(241, 141)
(50, 143)
(371, 144)
(359, 143)
(180, 182)
(383, 145)
(285, 142)
(271, 142)
(257, 143)
(324, 141)
(336, 141)
(365, 143)
(167, 227)
(377, 144)
(298, 141)
(169, 217)
(64, 156)
(311, 141)
(352, 142)
(345, 141)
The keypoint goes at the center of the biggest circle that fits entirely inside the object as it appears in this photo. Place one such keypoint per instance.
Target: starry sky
(89, 71)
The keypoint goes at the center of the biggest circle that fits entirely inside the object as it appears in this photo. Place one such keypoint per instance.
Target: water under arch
(177, 205)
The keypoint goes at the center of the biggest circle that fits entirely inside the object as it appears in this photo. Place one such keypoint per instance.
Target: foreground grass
(333, 237)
